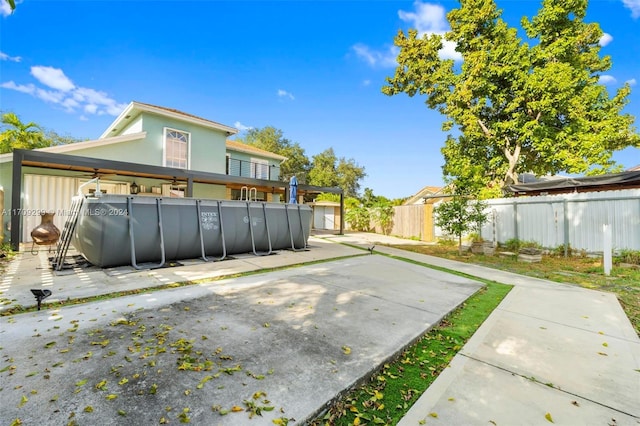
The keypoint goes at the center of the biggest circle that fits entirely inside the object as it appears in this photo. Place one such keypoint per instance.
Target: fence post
(565, 204)
(606, 249)
(515, 220)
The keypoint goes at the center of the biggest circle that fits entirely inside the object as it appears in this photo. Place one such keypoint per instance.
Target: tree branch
(484, 128)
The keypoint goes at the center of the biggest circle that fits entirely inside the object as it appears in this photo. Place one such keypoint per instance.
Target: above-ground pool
(116, 230)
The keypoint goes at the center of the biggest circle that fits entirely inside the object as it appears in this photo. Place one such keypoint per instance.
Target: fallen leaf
(346, 350)
(548, 417)
(23, 401)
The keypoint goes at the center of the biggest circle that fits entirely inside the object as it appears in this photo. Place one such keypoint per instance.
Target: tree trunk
(511, 176)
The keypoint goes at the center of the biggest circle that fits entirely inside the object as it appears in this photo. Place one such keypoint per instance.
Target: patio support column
(341, 213)
(190, 187)
(16, 199)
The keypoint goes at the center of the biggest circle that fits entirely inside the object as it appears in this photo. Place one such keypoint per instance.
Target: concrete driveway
(249, 350)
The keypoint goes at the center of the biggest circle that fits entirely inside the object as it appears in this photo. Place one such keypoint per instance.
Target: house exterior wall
(207, 146)
(215, 192)
(139, 151)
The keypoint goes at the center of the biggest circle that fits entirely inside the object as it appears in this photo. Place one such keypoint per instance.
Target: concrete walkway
(549, 352)
(302, 335)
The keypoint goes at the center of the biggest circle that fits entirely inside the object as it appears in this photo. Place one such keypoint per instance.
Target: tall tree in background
(273, 140)
(18, 135)
(329, 170)
(325, 169)
(518, 108)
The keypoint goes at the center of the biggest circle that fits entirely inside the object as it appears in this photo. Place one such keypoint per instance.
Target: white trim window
(177, 150)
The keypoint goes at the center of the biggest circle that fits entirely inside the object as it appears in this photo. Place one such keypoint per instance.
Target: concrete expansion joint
(548, 385)
(587, 330)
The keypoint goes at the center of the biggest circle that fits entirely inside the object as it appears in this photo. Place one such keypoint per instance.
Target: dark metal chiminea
(45, 234)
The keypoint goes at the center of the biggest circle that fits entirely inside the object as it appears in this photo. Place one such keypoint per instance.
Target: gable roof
(249, 149)
(426, 191)
(134, 109)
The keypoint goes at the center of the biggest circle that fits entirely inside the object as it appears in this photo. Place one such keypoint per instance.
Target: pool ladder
(69, 228)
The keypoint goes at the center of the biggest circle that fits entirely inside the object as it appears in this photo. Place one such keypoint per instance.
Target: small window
(176, 148)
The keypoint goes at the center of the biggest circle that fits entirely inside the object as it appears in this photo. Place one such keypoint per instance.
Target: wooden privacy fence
(413, 221)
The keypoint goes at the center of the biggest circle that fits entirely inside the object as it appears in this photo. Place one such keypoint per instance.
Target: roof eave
(135, 108)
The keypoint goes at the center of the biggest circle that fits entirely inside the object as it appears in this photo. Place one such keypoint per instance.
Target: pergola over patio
(46, 160)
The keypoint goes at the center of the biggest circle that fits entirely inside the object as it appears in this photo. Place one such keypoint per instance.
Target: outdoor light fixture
(134, 188)
(40, 294)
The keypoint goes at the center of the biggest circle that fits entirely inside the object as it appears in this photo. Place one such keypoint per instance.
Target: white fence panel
(575, 219)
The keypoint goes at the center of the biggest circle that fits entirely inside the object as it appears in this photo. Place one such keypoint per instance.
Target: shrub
(447, 242)
(628, 256)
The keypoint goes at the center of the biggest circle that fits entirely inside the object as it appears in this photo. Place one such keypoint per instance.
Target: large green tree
(17, 135)
(329, 170)
(515, 107)
(273, 140)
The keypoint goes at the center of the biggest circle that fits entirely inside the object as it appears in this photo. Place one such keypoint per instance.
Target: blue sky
(313, 69)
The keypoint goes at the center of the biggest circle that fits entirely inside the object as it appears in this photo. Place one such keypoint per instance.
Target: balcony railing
(250, 169)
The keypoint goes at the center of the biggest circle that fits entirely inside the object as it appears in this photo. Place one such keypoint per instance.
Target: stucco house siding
(206, 148)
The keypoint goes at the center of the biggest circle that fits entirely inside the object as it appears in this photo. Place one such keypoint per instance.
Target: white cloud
(285, 94)
(427, 19)
(431, 19)
(605, 39)
(49, 95)
(52, 77)
(91, 108)
(60, 90)
(70, 104)
(5, 57)
(634, 6)
(374, 57)
(5, 9)
(607, 79)
(631, 82)
(28, 88)
(238, 125)
(366, 82)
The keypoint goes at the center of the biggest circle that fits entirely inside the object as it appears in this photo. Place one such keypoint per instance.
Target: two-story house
(147, 150)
